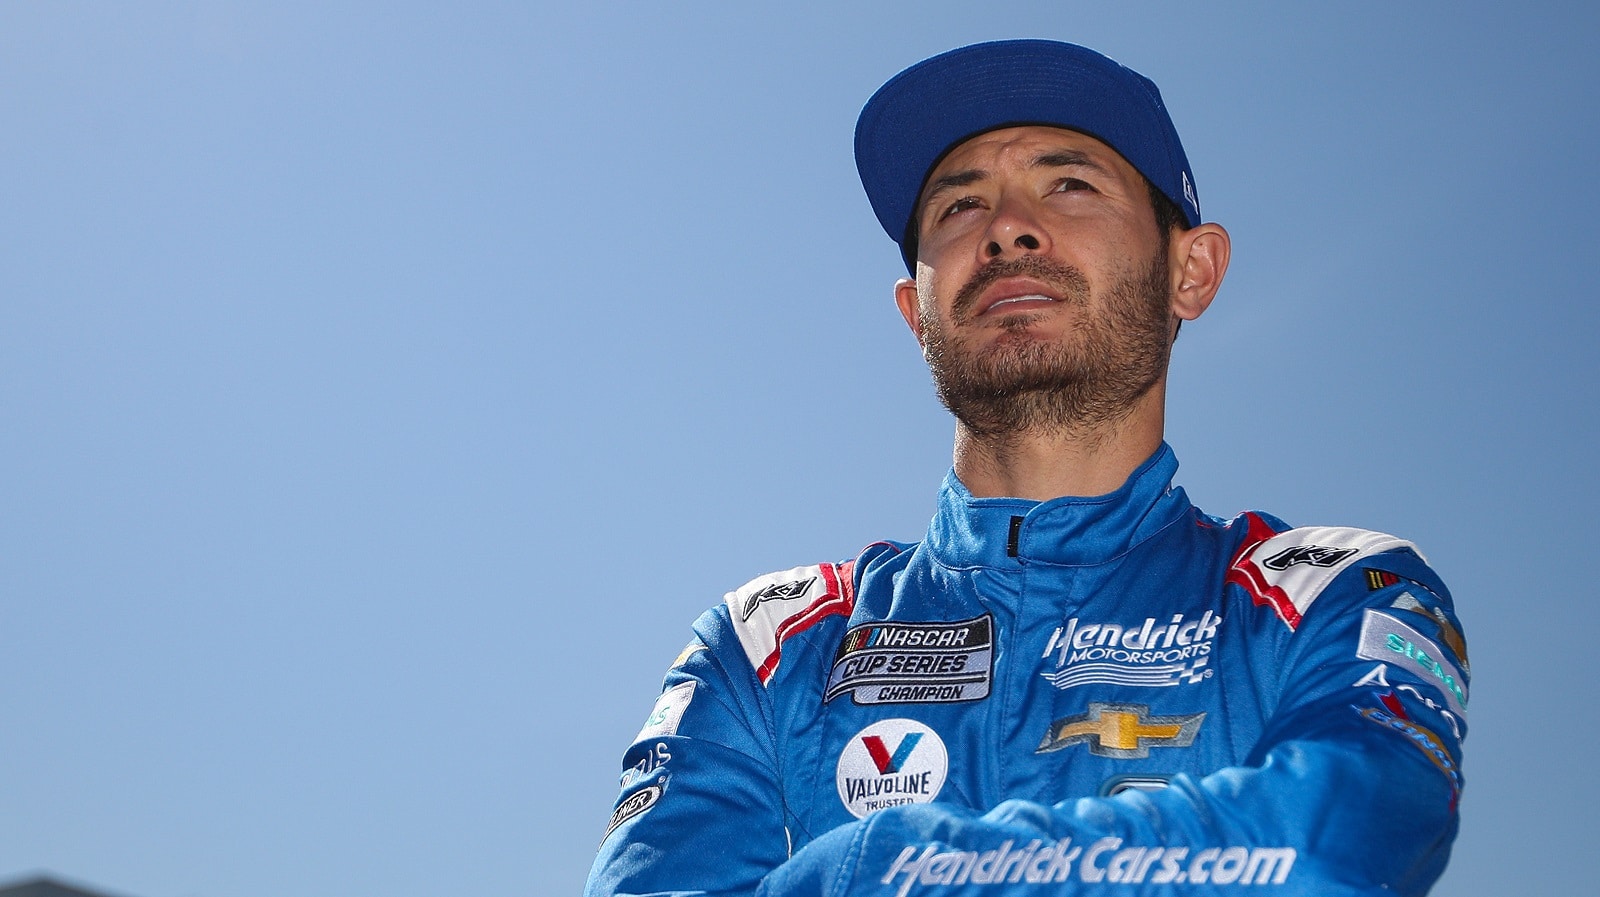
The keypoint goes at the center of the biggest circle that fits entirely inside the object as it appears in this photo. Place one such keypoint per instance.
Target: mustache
(1069, 281)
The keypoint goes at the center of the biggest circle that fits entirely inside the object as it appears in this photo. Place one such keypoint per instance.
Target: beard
(1017, 383)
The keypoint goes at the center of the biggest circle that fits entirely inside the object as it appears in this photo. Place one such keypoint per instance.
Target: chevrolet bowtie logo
(1124, 731)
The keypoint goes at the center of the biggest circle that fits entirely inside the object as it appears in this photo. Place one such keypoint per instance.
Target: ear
(1199, 260)
(905, 296)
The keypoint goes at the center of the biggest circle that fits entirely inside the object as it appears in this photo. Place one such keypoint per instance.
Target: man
(1077, 681)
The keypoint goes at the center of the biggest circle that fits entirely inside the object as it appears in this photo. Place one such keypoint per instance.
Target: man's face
(1042, 290)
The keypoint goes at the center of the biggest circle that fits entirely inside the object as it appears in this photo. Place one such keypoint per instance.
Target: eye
(1068, 185)
(960, 205)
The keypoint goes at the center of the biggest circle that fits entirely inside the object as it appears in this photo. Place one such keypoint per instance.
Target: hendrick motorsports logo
(1148, 653)
(1106, 860)
(903, 663)
(891, 762)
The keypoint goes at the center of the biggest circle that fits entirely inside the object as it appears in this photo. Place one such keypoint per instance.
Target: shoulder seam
(1287, 571)
(770, 609)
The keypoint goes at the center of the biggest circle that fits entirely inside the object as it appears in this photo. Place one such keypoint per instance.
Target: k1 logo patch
(891, 762)
(1315, 555)
(906, 663)
(782, 591)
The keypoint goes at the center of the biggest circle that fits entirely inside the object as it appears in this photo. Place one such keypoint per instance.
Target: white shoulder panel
(768, 609)
(1289, 570)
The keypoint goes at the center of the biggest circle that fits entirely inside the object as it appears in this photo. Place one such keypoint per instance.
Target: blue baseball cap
(926, 110)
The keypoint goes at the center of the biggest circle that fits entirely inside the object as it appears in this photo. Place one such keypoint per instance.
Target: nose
(1014, 230)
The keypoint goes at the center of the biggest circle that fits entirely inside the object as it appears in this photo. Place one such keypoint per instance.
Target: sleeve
(1352, 789)
(702, 811)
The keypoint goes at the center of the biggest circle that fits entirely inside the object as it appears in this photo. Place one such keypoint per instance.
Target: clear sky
(386, 387)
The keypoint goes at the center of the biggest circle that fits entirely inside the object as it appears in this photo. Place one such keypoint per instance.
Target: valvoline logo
(891, 762)
(888, 763)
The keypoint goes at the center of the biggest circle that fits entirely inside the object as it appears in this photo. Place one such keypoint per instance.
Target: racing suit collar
(1070, 531)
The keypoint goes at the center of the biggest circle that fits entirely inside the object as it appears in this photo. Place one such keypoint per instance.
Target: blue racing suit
(1117, 693)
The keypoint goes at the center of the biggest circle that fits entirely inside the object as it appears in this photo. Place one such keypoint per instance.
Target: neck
(1043, 464)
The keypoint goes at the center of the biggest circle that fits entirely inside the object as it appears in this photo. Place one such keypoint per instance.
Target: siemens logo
(1388, 639)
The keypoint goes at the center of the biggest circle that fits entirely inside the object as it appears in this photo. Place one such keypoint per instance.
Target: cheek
(925, 283)
(928, 292)
(955, 240)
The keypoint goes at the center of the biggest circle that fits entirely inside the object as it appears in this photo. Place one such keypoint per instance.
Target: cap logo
(1188, 193)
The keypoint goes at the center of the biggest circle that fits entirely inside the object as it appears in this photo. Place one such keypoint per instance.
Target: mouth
(1016, 294)
(1014, 301)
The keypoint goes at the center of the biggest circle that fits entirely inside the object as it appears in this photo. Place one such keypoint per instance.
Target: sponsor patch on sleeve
(1447, 630)
(632, 807)
(688, 651)
(1420, 737)
(668, 712)
(1287, 571)
(906, 663)
(1381, 579)
(1387, 639)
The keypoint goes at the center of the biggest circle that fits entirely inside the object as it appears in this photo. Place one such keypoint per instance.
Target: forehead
(1023, 146)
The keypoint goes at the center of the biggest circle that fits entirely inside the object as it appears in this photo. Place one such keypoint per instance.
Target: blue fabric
(1282, 740)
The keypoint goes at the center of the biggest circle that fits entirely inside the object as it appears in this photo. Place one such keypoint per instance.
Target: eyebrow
(1065, 158)
(963, 178)
(1050, 159)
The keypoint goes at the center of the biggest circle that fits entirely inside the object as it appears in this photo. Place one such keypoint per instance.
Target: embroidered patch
(1123, 731)
(769, 609)
(1287, 571)
(1379, 677)
(1422, 739)
(891, 762)
(904, 663)
(688, 651)
(1315, 555)
(1447, 630)
(668, 712)
(1380, 579)
(1389, 640)
(1149, 653)
(778, 591)
(635, 805)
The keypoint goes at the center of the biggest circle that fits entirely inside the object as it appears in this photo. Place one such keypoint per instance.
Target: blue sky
(386, 388)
